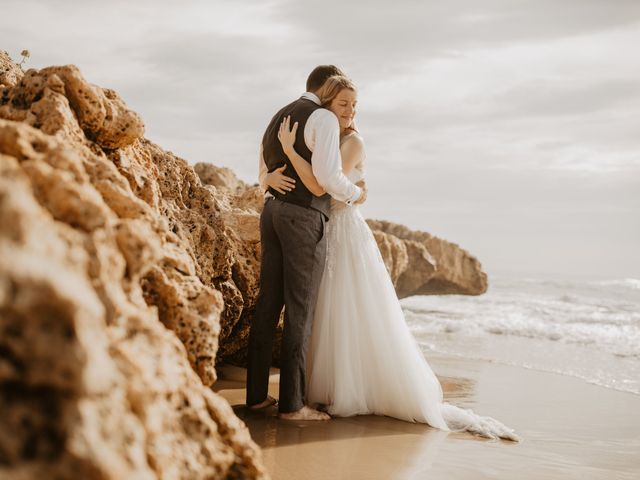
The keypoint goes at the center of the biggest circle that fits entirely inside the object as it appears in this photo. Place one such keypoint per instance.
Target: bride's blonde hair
(330, 90)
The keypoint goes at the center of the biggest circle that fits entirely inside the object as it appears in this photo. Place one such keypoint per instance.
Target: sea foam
(586, 329)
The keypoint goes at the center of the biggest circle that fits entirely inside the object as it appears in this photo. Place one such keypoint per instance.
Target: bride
(362, 356)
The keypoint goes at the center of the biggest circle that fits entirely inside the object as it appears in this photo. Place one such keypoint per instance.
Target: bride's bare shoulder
(352, 151)
(354, 140)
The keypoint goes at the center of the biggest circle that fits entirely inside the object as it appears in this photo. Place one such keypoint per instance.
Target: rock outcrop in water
(423, 264)
(125, 275)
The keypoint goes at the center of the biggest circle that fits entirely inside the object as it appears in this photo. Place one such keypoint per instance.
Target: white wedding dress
(362, 357)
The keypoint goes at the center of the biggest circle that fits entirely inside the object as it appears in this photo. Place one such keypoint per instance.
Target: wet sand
(570, 429)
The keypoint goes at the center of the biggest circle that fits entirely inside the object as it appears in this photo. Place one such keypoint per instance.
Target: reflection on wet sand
(365, 446)
(374, 447)
(570, 429)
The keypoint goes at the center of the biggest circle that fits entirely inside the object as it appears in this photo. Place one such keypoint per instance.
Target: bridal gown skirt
(362, 357)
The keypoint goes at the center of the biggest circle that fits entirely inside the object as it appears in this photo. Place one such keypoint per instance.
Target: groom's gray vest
(274, 157)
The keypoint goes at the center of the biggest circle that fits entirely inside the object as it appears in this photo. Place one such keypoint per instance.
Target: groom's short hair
(320, 74)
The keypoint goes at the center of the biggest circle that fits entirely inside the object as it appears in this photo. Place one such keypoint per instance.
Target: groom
(292, 228)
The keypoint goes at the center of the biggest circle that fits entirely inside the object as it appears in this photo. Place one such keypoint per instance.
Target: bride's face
(344, 106)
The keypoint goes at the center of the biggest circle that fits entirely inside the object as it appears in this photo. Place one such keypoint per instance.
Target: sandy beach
(570, 429)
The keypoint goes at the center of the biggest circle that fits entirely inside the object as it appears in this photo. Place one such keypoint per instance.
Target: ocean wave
(608, 334)
(581, 316)
(632, 283)
(598, 321)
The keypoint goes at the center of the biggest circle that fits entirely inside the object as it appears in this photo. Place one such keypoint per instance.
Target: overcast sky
(510, 127)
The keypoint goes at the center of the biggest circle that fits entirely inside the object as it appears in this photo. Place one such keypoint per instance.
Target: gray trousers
(293, 255)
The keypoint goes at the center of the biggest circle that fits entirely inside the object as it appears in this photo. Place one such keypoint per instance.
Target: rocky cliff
(115, 265)
(423, 264)
(125, 275)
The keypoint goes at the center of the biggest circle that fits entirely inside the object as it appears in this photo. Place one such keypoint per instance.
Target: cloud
(498, 124)
(399, 33)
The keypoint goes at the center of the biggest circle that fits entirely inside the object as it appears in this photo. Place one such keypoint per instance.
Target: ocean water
(586, 329)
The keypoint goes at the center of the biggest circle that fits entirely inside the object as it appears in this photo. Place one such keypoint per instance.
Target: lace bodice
(355, 175)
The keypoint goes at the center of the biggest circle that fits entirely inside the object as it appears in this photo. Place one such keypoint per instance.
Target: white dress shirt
(322, 137)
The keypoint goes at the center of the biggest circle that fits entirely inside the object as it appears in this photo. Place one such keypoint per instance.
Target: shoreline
(445, 355)
(569, 429)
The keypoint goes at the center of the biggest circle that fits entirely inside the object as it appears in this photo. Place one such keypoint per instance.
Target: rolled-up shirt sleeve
(322, 136)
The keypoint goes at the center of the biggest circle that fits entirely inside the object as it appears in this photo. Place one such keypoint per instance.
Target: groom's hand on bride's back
(363, 195)
(280, 182)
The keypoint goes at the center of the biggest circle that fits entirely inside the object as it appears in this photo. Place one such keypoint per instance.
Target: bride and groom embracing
(346, 348)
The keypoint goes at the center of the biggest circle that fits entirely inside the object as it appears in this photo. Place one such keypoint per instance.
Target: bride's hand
(363, 195)
(287, 137)
(279, 182)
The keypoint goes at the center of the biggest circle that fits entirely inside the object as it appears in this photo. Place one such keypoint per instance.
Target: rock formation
(125, 275)
(112, 259)
(436, 265)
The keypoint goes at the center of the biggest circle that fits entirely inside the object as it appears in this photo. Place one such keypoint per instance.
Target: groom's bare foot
(264, 404)
(305, 413)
